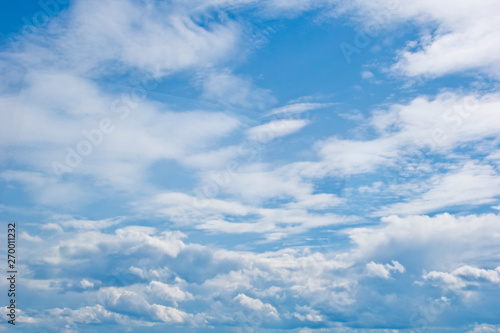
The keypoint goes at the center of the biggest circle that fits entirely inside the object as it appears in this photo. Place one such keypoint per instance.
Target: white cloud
(214, 159)
(306, 313)
(299, 283)
(256, 305)
(72, 248)
(441, 124)
(275, 129)
(346, 157)
(213, 214)
(24, 235)
(168, 314)
(257, 182)
(152, 273)
(463, 36)
(465, 39)
(94, 33)
(83, 224)
(473, 184)
(84, 283)
(384, 271)
(151, 266)
(485, 328)
(463, 276)
(47, 190)
(446, 121)
(234, 91)
(87, 315)
(168, 292)
(236, 227)
(53, 226)
(129, 301)
(367, 75)
(447, 239)
(176, 204)
(56, 125)
(82, 45)
(378, 270)
(21, 316)
(297, 108)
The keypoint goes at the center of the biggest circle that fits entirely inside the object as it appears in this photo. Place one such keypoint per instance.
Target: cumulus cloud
(173, 39)
(80, 147)
(291, 285)
(77, 126)
(129, 301)
(432, 233)
(87, 315)
(485, 328)
(384, 271)
(168, 292)
(463, 276)
(306, 313)
(462, 37)
(472, 184)
(271, 213)
(256, 305)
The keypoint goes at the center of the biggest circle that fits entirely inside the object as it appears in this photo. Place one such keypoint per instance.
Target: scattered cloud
(275, 129)
(139, 157)
(383, 271)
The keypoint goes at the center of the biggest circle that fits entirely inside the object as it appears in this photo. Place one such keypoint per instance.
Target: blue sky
(252, 166)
